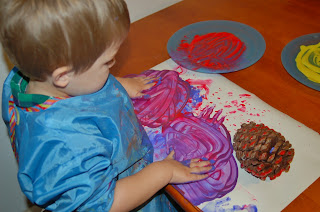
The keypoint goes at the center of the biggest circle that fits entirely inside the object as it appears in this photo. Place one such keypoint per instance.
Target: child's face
(94, 78)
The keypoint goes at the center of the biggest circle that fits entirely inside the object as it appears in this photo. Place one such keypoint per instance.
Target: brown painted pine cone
(262, 151)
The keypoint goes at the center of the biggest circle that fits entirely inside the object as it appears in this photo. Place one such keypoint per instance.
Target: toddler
(71, 124)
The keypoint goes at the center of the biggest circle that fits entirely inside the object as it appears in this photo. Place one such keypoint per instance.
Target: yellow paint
(308, 61)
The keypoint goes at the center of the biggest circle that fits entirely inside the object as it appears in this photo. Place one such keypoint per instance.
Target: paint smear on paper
(169, 121)
(217, 50)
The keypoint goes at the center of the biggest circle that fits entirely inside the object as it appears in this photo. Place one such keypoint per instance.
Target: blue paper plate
(254, 41)
(289, 54)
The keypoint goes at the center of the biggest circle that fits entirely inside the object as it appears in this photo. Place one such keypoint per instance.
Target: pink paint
(242, 108)
(213, 50)
(245, 95)
(166, 100)
(180, 70)
(235, 102)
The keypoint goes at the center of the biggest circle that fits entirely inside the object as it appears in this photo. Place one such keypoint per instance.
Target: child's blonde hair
(40, 36)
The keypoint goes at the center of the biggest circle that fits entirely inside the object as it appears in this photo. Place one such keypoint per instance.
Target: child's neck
(44, 88)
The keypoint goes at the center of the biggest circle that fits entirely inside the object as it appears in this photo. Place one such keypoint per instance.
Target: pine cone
(262, 151)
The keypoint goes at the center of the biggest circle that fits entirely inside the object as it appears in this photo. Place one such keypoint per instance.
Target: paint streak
(214, 50)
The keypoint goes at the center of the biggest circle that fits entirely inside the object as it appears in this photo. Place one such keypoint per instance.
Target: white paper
(240, 106)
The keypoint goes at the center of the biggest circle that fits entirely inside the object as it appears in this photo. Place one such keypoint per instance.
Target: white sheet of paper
(239, 106)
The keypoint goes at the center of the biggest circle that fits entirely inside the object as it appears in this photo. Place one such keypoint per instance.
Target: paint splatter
(236, 106)
(217, 50)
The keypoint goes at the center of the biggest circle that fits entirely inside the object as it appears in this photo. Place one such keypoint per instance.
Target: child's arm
(132, 191)
(135, 85)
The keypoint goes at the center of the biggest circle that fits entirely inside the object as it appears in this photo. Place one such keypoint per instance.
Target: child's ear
(61, 76)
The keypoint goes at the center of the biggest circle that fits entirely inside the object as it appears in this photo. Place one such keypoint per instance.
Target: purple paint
(195, 100)
(202, 136)
(223, 205)
(170, 106)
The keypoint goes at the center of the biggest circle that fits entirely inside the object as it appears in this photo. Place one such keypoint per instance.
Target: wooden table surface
(279, 22)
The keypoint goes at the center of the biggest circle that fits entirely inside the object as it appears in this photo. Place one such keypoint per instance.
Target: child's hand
(134, 86)
(194, 172)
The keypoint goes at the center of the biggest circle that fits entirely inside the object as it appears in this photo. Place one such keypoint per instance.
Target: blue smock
(71, 152)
